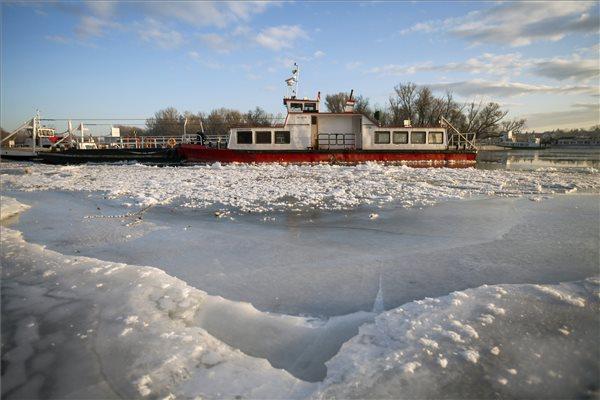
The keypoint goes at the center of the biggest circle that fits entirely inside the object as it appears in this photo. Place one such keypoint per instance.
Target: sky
(110, 59)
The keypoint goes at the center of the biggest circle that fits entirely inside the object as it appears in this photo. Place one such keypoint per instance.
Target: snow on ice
(92, 328)
(260, 188)
(521, 354)
(10, 207)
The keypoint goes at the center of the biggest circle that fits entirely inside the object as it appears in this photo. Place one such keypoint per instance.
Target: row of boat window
(263, 137)
(303, 107)
(402, 137)
(381, 137)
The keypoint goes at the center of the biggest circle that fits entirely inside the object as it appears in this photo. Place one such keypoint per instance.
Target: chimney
(350, 103)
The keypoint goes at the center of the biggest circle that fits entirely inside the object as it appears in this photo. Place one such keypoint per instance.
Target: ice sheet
(80, 327)
(329, 263)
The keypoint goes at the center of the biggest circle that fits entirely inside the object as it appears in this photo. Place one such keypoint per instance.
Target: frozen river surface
(294, 282)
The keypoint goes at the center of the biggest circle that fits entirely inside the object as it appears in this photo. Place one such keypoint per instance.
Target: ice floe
(520, 353)
(10, 207)
(259, 188)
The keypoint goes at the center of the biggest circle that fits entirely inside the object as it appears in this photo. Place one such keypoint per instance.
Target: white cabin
(306, 128)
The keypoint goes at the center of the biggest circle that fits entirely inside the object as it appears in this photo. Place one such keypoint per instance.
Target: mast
(36, 118)
(292, 82)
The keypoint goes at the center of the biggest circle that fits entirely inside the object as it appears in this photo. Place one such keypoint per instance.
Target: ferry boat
(311, 136)
(40, 143)
(509, 140)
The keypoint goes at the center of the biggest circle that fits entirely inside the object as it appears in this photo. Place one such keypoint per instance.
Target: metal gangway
(8, 146)
(457, 139)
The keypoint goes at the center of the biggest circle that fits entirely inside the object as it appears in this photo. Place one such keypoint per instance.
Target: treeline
(169, 122)
(419, 105)
(408, 102)
(592, 132)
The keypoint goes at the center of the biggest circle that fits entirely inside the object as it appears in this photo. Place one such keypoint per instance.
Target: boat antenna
(292, 82)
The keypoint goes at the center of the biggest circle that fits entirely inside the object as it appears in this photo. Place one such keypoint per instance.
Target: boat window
(282, 137)
(297, 107)
(417, 137)
(263, 137)
(313, 120)
(310, 107)
(400, 137)
(436, 137)
(244, 137)
(382, 137)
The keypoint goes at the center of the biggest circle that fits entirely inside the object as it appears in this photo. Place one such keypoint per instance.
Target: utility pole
(34, 132)
(184, 130)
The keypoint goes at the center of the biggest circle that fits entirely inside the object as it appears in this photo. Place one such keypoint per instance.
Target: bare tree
(425, 107)
(128, 130)
(166, 122)
(484, 120)
(402, 103)
(258, 117)
(515, 125)
(336, 103)
(220, 120)
(194, 122)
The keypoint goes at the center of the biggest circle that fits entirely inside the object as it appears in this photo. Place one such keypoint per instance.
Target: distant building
(578, 141)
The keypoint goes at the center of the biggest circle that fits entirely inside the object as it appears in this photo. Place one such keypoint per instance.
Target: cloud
(219, 43)
(396, 69)
(102, 9)
(97, 17)
(479, 87)
(318, 54)
(578, 117)
(486, 63)
(589, 106)
(194, 55)
(286, 62)
(156, 33)
(519, 23)
(562, 69)
(511, 64)
(207, 13)
(353, 65)
(58, 39)
(90, 26)
(419, 27)
(279, 37)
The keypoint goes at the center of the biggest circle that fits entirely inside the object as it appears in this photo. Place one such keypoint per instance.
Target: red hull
(199, 153)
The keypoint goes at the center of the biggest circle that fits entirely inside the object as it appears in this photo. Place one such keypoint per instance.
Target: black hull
(151, 155)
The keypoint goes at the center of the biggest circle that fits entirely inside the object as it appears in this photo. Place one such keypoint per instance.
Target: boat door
(314, 132)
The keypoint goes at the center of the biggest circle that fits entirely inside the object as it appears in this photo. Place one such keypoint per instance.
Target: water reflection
(588, 157)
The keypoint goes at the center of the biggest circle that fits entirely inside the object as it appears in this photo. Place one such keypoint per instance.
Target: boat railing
(142, 142)
(336, 141)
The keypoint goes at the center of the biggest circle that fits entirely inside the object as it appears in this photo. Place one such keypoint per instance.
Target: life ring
(171, 142)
